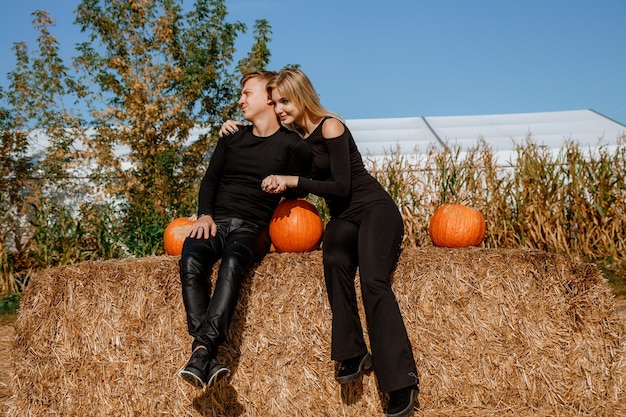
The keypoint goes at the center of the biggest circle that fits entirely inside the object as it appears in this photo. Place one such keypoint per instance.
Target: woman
(365, 231)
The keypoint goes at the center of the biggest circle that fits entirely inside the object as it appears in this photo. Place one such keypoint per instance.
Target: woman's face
(285, 109)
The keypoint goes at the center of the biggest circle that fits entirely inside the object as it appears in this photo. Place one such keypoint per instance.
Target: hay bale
(494, 332)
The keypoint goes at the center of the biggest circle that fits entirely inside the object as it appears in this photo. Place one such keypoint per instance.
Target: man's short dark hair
(263, 75)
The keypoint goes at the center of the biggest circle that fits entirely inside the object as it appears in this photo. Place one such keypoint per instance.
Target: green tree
(157, 72)
(41, 84)
(147, 74)
(14, 172)
(33, 104)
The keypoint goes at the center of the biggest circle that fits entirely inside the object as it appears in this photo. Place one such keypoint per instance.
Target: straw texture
(494, 332)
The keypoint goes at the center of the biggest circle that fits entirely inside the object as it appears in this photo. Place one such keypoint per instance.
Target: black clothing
(365, 231)
(231, 186)
(339, 176)
(231, 192)
(239, 246)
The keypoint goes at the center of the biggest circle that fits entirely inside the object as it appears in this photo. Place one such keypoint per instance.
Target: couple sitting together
(293, 147)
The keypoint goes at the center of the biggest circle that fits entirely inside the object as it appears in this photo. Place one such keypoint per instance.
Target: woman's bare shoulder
(332, 128)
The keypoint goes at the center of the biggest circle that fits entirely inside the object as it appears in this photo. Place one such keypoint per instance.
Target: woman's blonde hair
(296, 87)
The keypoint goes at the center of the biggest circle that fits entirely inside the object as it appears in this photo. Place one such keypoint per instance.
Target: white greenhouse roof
(502, 132)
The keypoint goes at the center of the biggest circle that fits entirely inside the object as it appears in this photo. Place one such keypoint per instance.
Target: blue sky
(409, 58)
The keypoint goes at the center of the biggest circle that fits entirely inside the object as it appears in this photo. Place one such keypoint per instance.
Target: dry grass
(494, 332)
(571, 201)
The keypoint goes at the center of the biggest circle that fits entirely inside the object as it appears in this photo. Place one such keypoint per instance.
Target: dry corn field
(494, 332)
(570, 201)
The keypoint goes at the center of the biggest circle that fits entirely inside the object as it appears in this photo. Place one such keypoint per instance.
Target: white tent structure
(502, 132)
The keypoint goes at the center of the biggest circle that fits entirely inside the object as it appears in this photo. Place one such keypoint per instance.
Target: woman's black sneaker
(402, 401)
(350, 369)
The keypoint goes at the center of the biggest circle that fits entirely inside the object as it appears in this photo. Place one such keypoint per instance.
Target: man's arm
(211, 180)
(205, 227)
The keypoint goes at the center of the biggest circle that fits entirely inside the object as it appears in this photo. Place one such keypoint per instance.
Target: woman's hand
(275, 184)
(228, 127)
(203, 228)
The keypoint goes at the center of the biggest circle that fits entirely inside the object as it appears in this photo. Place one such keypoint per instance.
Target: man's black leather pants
(239, 245)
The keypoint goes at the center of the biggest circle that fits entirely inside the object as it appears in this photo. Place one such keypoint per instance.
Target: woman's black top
(339, 176)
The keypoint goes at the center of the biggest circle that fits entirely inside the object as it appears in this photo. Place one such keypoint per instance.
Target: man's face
(254, 99)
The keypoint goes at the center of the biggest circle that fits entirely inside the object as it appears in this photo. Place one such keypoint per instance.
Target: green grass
(9, 304)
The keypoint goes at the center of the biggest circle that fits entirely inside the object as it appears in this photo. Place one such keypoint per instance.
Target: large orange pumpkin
(296, 226)
(457, 226)
(175, 234)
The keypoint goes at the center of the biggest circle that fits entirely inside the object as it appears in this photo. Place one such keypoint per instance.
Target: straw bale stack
(494, 332)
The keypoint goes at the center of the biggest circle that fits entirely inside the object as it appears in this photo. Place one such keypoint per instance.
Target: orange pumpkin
(175, 234)
(296, 226)
(457, 226)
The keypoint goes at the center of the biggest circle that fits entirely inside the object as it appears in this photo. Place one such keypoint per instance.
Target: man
(233, 220)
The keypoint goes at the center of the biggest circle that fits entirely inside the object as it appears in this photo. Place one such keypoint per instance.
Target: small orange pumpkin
(296, 226)
(457, 226)
(175, 234)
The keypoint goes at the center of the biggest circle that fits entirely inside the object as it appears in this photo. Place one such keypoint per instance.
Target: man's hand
(203, 228)
(228, 127)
